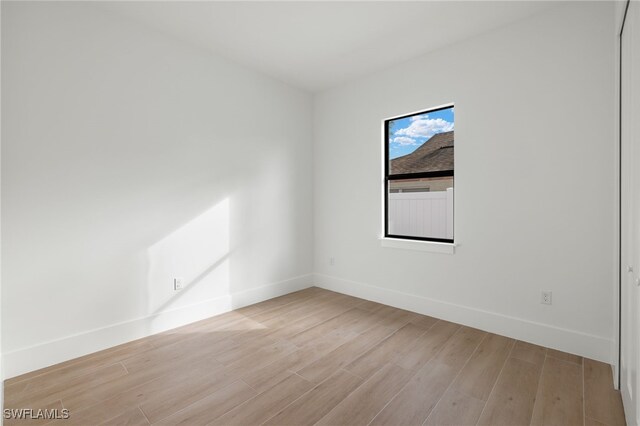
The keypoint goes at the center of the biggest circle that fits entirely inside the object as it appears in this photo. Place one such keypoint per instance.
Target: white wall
(129, 158)
(534, 186)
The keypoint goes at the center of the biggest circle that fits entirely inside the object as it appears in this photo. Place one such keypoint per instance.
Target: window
(418, 184)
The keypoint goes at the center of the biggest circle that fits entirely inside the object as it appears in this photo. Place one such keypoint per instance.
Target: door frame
(618, 376)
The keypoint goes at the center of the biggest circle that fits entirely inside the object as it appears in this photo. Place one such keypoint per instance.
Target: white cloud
(424, 127)
(403, 140)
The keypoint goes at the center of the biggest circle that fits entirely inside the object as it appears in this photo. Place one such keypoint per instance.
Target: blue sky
(407, 134)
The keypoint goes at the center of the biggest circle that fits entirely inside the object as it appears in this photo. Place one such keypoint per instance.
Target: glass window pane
(421, 150)
(421, 208)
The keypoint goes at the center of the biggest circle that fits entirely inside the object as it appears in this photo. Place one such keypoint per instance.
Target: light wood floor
(318, 357)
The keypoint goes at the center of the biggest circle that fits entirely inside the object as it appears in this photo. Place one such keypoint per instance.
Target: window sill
(431, 246)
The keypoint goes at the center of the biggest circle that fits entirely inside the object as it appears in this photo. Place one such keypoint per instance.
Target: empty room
(320, 212)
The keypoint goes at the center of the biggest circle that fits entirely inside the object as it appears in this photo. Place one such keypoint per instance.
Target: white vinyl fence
(422, 214)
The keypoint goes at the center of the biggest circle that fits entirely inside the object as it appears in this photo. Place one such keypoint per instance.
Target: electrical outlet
(545, 297)
(332, 261)
(178, 283)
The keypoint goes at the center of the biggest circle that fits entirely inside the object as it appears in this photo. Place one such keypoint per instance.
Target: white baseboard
(49, 353)
(572, 341)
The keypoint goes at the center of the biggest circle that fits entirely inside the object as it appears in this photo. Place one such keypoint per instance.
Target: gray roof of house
(435, 155)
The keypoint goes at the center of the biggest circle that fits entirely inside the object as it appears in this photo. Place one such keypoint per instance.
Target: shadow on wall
(261, 237)
(197, 252)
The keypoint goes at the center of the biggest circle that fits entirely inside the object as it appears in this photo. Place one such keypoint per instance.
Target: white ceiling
(316, 45)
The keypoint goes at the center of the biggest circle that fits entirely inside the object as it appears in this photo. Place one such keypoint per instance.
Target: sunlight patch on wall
(198, 252)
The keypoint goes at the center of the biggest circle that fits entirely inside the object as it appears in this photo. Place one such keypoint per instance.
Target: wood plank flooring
(318, 357)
